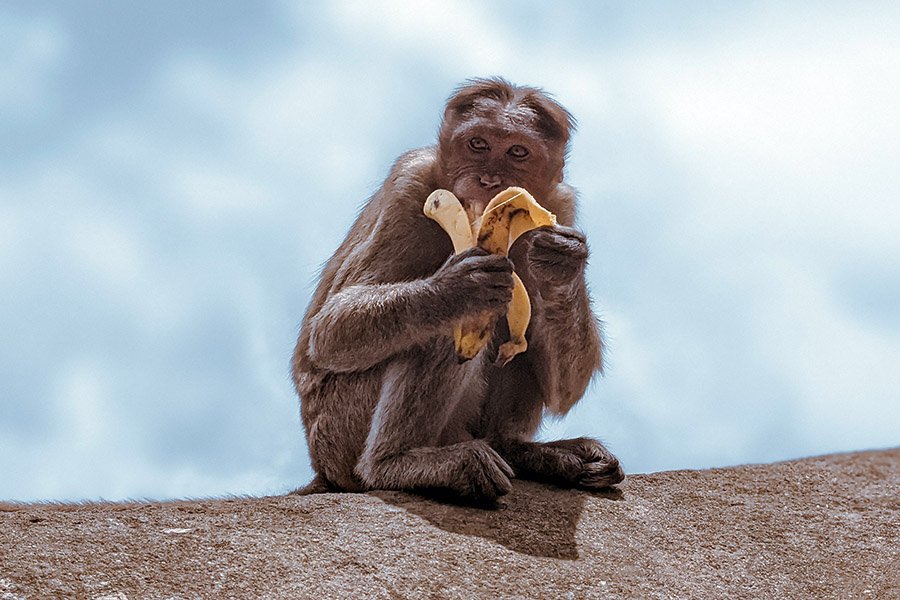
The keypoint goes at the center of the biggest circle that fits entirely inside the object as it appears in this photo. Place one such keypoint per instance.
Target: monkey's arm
(363, 324)
(372, 295)
(565, 345)
(386, 289)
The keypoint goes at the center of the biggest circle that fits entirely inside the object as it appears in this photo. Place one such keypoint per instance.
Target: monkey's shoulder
(396, 210)
(563, 202)
(415, 164)
(392, 239)
(402, 194)
(412, 176)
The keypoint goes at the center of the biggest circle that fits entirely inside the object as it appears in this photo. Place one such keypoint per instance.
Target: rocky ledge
(826, 527)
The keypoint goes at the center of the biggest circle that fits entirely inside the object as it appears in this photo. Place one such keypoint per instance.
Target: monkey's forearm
(567, 343)
(362, 325)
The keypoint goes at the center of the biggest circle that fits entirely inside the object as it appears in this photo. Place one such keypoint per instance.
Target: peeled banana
(508, 215)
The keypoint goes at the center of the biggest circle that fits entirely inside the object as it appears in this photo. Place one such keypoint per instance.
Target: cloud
(460, 36)
(9, 237)
(816, 116)
(759, 179)
(847, 373)
(156, 254)
(141, 351)
(32, 49)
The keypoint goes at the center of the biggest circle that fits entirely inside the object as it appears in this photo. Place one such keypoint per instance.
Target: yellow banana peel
(508, 215)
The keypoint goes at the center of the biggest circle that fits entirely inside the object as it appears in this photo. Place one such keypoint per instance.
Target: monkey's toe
(598, 475)
(587, 449)
(483, 487)
(487, 475)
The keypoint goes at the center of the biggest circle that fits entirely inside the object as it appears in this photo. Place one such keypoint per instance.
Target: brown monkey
(385, 402)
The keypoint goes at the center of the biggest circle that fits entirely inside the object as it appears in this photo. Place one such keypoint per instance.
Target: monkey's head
(495, 135)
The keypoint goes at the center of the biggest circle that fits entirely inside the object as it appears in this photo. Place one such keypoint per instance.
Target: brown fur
(385, 402)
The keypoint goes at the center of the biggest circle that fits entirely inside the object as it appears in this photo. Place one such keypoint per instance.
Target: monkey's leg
(581, 462)
(510, 417)
(416, 401)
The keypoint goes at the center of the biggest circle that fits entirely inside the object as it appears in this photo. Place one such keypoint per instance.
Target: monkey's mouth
(474, 209)
(473, 196)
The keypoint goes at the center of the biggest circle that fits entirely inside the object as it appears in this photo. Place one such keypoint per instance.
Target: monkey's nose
(491, 181)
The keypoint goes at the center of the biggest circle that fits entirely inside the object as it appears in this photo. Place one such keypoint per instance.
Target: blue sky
(172, 176)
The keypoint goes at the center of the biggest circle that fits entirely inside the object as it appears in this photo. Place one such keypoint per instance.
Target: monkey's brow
(486, 126)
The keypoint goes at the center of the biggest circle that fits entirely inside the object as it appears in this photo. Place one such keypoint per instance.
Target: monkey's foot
(580, 462)
(484, 474)
(471, 470)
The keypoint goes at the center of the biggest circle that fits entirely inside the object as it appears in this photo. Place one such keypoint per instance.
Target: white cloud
(847, 375)
(737, 171)
(32, 50)
(299, 134)
(82, 399)
(107, 249)
(791, 135)
(10, 238)
(457, 36)
(316, 117)
(213, 191)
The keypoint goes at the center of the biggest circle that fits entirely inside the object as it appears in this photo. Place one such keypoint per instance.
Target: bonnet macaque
(385, 400)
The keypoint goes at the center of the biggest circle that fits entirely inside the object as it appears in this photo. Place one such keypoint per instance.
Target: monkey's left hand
(557, 255)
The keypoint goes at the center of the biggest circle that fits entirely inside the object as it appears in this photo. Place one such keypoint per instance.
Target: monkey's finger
(462, 257)
(560, 243)
(559, 231)
(487, 475)
(494, 277)
(498, 291)
(585, 448)
(491, 263)
(473, 251)
(495, 303)
(494, 286)
(489, 485)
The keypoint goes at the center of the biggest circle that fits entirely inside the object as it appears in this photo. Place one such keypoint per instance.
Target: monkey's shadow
(536, 519)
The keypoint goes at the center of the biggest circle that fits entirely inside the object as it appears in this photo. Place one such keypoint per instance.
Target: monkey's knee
(332, 458)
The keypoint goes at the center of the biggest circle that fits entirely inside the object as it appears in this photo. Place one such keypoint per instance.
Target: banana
(508, 215)
(442, 206)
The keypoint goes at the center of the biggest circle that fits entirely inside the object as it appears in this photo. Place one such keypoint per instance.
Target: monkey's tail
(318, 485)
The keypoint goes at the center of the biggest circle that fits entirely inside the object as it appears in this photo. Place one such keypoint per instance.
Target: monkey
(385, 402)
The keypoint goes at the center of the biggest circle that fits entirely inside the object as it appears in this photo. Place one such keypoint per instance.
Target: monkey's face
(492, 149)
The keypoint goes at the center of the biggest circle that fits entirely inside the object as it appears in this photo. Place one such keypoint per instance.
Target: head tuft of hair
(553, 121)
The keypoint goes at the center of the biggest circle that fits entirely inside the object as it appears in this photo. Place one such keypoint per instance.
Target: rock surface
(826, 527)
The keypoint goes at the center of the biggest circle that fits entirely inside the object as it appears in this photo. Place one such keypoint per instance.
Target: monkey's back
(390, 241)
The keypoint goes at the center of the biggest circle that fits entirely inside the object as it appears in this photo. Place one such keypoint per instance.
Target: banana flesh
(442, 206)
(508, 215)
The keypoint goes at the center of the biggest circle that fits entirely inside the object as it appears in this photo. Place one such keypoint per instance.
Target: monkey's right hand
(474, 282)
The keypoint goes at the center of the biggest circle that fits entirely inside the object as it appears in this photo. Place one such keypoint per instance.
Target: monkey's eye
(518, 151)
(478, 144)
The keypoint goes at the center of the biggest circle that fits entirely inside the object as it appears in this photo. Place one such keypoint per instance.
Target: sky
(172, 177)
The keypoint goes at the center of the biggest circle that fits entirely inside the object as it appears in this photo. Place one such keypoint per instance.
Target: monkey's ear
(554, 121)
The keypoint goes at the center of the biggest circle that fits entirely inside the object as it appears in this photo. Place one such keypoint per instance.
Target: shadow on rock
(535, 519)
